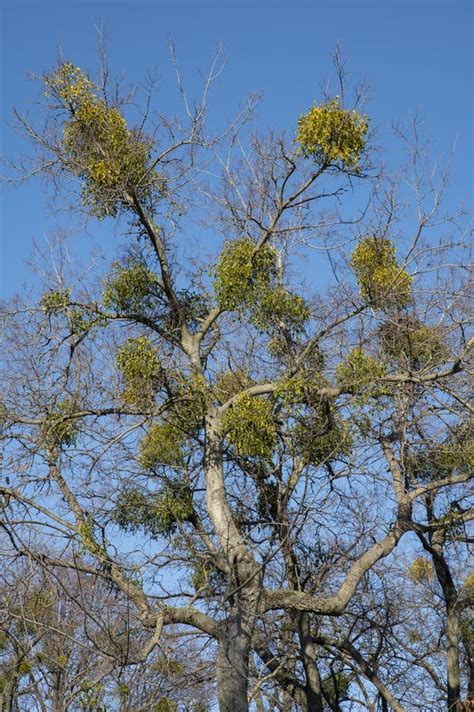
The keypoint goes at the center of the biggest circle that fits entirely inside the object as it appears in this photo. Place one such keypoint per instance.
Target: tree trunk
(452, 660)
(470, 663)
(451, 600)
(8, 694)
(244, 580)
(314, 695)
(58, 704)
(232, 666)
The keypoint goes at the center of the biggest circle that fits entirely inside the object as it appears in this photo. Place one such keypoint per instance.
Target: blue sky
(416, 55)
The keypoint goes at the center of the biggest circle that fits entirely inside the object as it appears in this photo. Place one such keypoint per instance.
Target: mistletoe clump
(194, 306)
(320, 438)
(206, 576)
(442, 460)
(412, 344)
(200, 575)
(421, 570)
(133, 510)
(99, 147)
(87, 538)
(468, 588)
(382, 281)
(38, 604)
(173, 505)
(69, 86)
(243, 272)
(164, 665)
(131, 288)
(331, 134)
(279, 347)
(59, 429)
(158, 514)
(230, 383)
(361, 374)
(280, 308)
(91, 695)
(466, 627)
(165, 704)
(138, 363)
(250, 426)
(79, 318)
(54, 301)
(162, 445)
(245, 280)
(191, 398)
(302, 389)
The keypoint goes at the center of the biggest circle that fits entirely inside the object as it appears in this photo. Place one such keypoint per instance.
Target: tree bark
(58, 702)
(469, 647)
(452, 659)
(8, 694)
(314, 695)
(451, 600)
(244, 580)
(232, 666)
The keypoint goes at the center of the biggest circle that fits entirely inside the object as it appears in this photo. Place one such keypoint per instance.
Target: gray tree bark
(315, 702)
(232, 666)
(244, 584)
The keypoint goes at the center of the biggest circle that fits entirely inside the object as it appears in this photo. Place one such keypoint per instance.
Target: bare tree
(69, 642)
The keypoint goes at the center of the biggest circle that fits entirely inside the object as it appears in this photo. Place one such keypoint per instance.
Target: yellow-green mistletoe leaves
(169, 667)
(242, 272)
(230, 383)
(466, 627)
(245, 279)
(302, 389)
(55, 301)
(158, 514)
(193, 305)
(321, 436)
(250, 427)
(320, 439)
(130, 288)
(3, 413)
(467, 589)
(133, 510)
(445, 459)
(38, 604)
(165, 704)
(200, 575)
(330, 134)
(412, 344)
(138, 363)
(81, 321)
(421, 570)
(279, 307)
(87, 539)
(162, 445)
(59, 429)
(381, 280)
(191, 398)
(174, 504)
(98, 145)
(361, 374)
(69, 86)
(207, 579)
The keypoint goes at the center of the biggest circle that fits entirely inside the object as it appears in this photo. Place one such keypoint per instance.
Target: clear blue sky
(417, 55)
